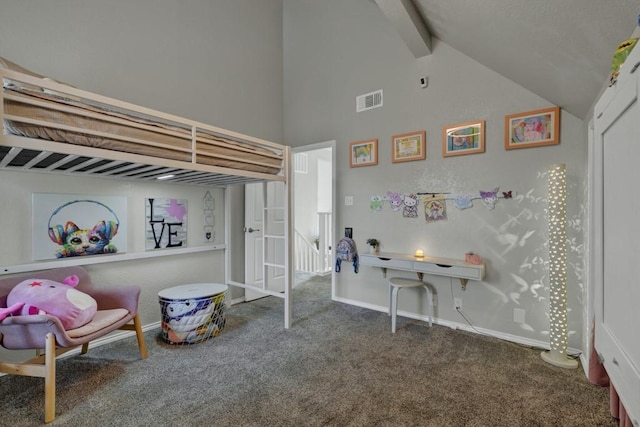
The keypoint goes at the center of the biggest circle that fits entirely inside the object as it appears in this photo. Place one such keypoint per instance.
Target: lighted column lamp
(557, 187)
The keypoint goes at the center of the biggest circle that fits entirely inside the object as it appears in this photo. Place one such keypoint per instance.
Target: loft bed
(52, 127)
(49, 127)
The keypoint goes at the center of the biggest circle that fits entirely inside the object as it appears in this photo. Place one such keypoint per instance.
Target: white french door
(265, 241)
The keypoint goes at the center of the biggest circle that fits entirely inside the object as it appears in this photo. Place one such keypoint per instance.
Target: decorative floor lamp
(557, 187)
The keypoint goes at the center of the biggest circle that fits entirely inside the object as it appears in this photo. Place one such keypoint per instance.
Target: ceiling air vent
(369, 101)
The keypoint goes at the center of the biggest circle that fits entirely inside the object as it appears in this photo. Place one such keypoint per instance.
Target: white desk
(448, 267)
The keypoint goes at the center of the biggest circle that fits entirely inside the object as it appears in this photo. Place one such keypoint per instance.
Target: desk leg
(463, 282)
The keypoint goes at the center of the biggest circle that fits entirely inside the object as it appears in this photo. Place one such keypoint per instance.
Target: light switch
(348, 200)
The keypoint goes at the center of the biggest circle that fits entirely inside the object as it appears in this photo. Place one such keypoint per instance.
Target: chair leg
(85, 348)
(50, 378)
(394, 308)
(141, 344)
(429, 301)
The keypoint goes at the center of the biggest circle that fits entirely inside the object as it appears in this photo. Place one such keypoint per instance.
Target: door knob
(251, 230)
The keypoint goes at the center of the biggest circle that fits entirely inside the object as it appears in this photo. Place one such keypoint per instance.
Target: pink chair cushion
(102, 319)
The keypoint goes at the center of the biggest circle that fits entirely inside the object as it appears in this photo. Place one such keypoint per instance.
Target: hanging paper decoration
(376, 203)
(463, 201)
(489, 198)
(395, 199)
(410, 206)
(435, 208)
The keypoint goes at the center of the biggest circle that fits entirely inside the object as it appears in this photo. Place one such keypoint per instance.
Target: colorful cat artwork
(78, 242)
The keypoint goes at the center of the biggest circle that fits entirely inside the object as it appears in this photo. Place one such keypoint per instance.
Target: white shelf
(101, 259)
(430, 265)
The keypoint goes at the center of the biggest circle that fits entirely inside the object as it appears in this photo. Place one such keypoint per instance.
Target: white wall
(335, 50)
(215, 61)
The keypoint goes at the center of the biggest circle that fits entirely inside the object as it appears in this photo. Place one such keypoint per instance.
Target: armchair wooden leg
(50, 378)
(141, 344)
(85, 348)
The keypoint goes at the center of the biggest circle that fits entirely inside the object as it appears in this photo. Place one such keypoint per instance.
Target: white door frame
(311, 147)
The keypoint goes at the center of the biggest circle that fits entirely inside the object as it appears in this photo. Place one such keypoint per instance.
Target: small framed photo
(532, 128)
(408, 147)
(363, 153)
(463, 138)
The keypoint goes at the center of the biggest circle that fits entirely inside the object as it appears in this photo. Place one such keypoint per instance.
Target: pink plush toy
(42, 296)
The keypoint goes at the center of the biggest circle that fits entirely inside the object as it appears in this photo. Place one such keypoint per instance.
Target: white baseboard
(543, 345)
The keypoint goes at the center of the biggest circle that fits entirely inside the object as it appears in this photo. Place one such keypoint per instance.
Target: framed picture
(166, 223)
(408, 147)
(532, 128)
(363, 153)
(72, 225)
(463, 138)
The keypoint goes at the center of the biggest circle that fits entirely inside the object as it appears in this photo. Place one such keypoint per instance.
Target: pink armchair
(117, 309)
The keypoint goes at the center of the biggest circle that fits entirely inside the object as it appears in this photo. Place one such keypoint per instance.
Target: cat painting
(75, 241)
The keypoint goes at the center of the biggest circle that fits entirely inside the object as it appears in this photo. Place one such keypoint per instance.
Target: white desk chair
(395, 284)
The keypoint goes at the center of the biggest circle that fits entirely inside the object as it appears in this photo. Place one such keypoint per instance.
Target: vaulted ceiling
(560, 50)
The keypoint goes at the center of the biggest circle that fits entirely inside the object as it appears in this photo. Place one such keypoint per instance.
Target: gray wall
(224, 63)
(335, 50)
(152, 274)
(216, 61)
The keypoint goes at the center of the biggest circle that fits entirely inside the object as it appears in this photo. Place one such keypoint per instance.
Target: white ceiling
(559, 49)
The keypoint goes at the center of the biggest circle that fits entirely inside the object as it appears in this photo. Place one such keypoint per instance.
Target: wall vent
(368, 101)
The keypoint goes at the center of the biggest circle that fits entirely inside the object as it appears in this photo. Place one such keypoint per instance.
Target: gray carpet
(338, 365)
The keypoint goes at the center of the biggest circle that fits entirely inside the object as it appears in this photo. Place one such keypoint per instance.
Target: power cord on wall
(459, 310)
(466, 318)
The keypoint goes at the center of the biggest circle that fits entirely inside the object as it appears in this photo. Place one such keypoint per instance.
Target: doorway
(314, 209)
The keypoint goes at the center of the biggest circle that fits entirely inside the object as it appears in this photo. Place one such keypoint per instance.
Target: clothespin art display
(434, 203)
(435, 207)
(377, 202)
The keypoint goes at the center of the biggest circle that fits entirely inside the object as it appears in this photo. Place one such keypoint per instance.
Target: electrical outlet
(424, 82)
(457, 303)
(518, 315)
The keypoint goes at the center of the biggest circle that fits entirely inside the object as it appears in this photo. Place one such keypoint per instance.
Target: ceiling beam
(409, 24)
